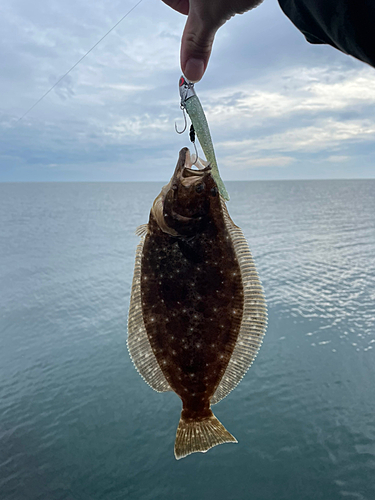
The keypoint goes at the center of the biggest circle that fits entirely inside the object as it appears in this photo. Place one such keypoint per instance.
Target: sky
(278, 107)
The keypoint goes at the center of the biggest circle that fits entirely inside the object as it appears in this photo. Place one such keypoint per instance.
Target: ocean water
(78, 423)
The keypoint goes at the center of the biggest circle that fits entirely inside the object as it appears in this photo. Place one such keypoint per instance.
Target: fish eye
(199, 188)
(214, 191)
(174, 187)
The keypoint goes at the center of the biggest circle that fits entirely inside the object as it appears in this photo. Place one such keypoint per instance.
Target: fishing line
(76, 64)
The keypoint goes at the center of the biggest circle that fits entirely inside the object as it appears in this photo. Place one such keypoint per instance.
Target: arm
(347, 25)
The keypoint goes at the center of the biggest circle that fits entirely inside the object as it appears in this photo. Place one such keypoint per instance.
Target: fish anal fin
(200, 435)
(138, 344)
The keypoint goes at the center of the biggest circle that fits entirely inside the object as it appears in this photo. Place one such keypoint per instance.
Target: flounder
(197, 311)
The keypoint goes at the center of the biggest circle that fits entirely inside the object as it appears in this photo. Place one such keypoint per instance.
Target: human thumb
(196, 45)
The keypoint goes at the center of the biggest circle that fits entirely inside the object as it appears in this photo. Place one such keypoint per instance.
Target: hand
(204, 19)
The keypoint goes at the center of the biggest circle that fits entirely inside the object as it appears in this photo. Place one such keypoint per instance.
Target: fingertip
(194, 69)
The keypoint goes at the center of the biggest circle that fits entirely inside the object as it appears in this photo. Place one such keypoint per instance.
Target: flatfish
(197, 312)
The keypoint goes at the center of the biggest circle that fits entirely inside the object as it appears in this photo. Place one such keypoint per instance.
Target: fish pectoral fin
(200, 435)
(141, 230)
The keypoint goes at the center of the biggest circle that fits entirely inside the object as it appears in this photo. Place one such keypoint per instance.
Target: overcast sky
(278, 107)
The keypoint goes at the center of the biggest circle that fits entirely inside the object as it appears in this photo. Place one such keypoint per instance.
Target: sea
(77, 422)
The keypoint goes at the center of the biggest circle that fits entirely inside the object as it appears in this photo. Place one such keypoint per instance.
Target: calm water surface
(78, 423)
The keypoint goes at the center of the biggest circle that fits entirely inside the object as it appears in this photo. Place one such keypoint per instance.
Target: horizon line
(161, 181)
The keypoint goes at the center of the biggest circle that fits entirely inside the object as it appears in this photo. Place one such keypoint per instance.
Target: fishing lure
(191, 104)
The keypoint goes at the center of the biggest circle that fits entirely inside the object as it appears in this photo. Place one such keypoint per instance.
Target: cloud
(315, 112)
(273, 101)
(293, 92)
(238, 163)
(338, 158)
(326, 135)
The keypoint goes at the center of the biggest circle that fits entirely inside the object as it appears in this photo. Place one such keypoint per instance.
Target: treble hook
(175, 125)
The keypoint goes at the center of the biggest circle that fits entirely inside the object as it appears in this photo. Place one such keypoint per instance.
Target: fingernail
(194, 69)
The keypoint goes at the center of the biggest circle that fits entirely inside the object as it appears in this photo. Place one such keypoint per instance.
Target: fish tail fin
(200, 435)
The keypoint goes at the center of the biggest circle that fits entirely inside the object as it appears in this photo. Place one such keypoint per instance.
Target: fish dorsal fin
(138, 344)
(254, 320)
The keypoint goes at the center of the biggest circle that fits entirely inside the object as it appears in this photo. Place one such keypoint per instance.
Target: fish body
(197, 311)
(192, 105)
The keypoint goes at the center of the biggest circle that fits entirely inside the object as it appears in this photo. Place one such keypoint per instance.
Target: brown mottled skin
(192, 292)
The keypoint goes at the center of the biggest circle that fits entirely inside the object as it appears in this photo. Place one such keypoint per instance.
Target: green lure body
(193, 107)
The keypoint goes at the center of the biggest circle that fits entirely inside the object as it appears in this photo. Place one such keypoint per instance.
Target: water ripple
(76, 420)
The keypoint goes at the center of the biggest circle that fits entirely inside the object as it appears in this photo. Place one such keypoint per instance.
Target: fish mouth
(190, 169)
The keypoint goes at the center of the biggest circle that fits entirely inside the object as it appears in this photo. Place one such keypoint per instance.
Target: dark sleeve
(347, 25)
